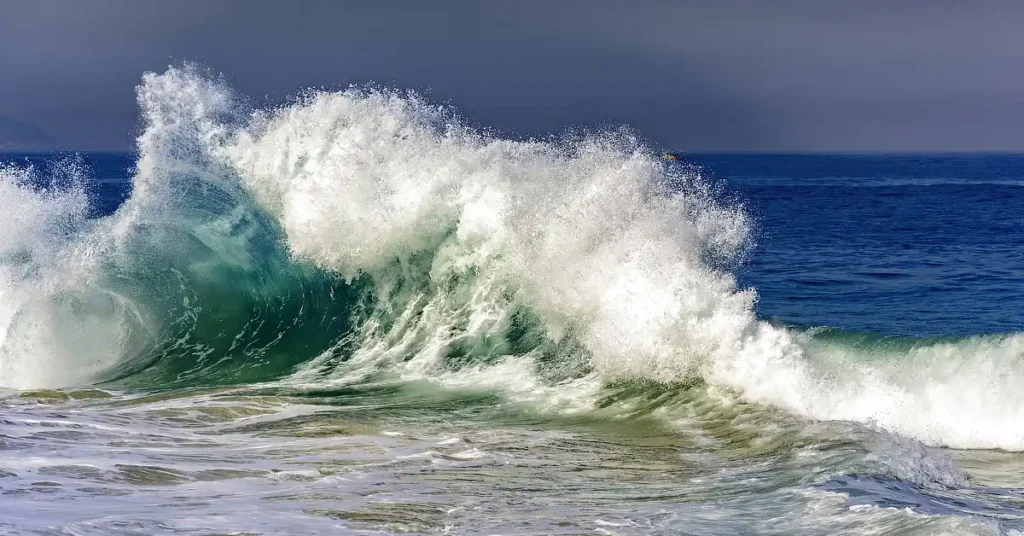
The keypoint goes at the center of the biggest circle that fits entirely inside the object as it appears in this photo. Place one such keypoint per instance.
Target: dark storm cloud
(754, 75)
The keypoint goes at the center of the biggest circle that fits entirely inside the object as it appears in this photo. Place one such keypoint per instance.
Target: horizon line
(684, 153)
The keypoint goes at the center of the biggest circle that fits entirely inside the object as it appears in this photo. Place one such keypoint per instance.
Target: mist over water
(358, 285)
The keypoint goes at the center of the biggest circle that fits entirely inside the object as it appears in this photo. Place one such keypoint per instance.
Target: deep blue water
(898, 245)
(915, 245)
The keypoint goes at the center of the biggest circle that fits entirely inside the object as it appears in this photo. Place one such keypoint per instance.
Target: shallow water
(408, 459)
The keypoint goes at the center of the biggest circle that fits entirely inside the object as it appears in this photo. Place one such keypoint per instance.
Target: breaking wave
(367, 234)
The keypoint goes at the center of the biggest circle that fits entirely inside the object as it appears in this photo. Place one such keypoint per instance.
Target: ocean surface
(354, 314)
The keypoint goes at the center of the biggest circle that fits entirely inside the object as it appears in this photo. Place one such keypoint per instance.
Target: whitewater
(363, 314)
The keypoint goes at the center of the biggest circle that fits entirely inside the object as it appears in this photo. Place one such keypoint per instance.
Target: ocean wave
(364, 233)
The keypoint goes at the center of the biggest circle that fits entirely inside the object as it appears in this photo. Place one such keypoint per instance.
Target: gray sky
(754, 75)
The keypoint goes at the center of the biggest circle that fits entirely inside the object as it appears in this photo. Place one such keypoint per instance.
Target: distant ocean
(356, 315)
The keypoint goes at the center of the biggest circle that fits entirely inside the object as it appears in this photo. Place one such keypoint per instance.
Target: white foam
(46, 337)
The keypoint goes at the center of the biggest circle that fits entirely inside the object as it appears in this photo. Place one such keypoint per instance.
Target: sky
(730, 75)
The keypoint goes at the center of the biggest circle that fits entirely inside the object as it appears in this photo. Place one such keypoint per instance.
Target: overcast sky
(717, 75)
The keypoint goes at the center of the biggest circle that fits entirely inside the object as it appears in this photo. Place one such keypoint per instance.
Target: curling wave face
(366, 234)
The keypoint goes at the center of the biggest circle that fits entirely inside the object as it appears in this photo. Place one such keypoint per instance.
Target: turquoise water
(353, 314)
